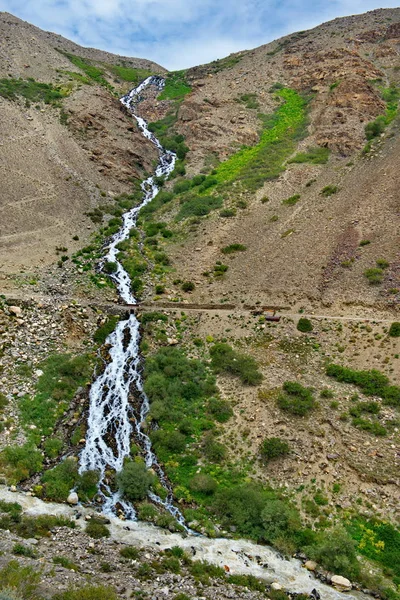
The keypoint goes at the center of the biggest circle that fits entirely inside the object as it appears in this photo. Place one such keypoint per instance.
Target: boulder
(341, 583)
(310, 565)
(15, 310)
(73, 498)
(276, 586)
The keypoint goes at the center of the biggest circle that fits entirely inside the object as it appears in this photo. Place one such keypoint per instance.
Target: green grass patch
(232, 248)
(105, 329)
(176, 86)
(296, 399)
(94, 73)
(314, 155)
(264, 161)
(62, 375)
(130, 74)
(378, 541)
(292, 200)
(31, 90)
(375, 128)
(58, 482)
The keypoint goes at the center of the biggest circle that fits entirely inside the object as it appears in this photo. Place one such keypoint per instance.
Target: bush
(130, 552)
(372, 383)
(296, 399)
(102, 333)
(23, 581)
(188, 286)
(272, 448)
(220, 409)
(336, 551)
(374, 275)
(203, 484)
(213, 450)
(90, 592)
(394, 330)
(199, 207)
(135, 481)
(315, 156)
(328, 190)
(96, 529)
(292, 200)
(225, 359)
(304, 325)
(233, 248)
(21, 550)
(20, 462)
(227, 212)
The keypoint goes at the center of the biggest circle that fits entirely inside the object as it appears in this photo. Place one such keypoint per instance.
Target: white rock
(38, 372)
(15, 310)
(13, 488)
(73, 498)
(276, 586)
(341, 582)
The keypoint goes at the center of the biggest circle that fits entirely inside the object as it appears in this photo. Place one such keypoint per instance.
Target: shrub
(273, 447)
(59, 481)
(130, 552)
(374, 275)
(182, 186)
(65, 562)
(394, 330)
(214, 451)
(90, 592)
(233, 248)
(188, 286)
(292, 200)
(328, 190)
(365, 242)
(21, 550)
(102, 333)
(23, 581)
(372, 383)
(160, 289)
(296, 399)
(199, 207)
(220, 409)
(135, 481)
(326, 393)
(336, 551)
(96, 529)
(53, 447)
(20, 462)
(203, 484)
(225, 358)
(382, 263)
(304, 325)
(315, 156)
(220, 269)
(227, 212)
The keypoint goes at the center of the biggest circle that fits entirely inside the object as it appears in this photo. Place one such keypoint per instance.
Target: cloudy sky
(181, 33)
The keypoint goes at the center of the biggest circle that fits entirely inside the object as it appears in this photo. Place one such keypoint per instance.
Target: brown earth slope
(51, 173)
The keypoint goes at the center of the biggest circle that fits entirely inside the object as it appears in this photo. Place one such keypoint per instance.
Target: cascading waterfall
(111, 415)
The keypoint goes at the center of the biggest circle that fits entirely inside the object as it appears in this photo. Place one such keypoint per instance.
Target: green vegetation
(304, 325)
(329, 190)
(233, 248)
(249, 100)
(296, 399)
(11, 518)
(130, 552)
(374, 275)
(225, 359)
(105, 329)
(292, 200)
(273, 448)
(198, 206)
(19, 580)
(90, 592)
(62, 375)
(97, 529)
(378, 541)
(135, 481)
(225, 63)
(58, 482)
(21, 550)
(314, 155)
(188, 286)
(371, 383)
(31, 90)
(265, 160)
(394, 330)
(19, 462)
(337, 552)
(130, 74)
(66, 563)
(176, 86)
(96, 74)
(391, 96)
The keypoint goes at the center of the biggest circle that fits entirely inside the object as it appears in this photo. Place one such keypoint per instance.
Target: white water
(241, 556)
(111, 413)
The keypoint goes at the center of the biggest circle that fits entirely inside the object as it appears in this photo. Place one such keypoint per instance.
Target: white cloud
(181, 33)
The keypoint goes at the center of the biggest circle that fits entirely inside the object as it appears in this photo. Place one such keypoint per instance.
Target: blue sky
(181, 33)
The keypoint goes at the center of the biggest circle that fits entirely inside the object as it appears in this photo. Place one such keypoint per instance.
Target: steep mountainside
(267, 336)
(61, 159)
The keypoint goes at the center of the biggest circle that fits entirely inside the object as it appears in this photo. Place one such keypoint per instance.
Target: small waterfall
(112, 417)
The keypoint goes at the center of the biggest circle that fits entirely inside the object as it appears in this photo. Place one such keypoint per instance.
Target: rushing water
(112, 415)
